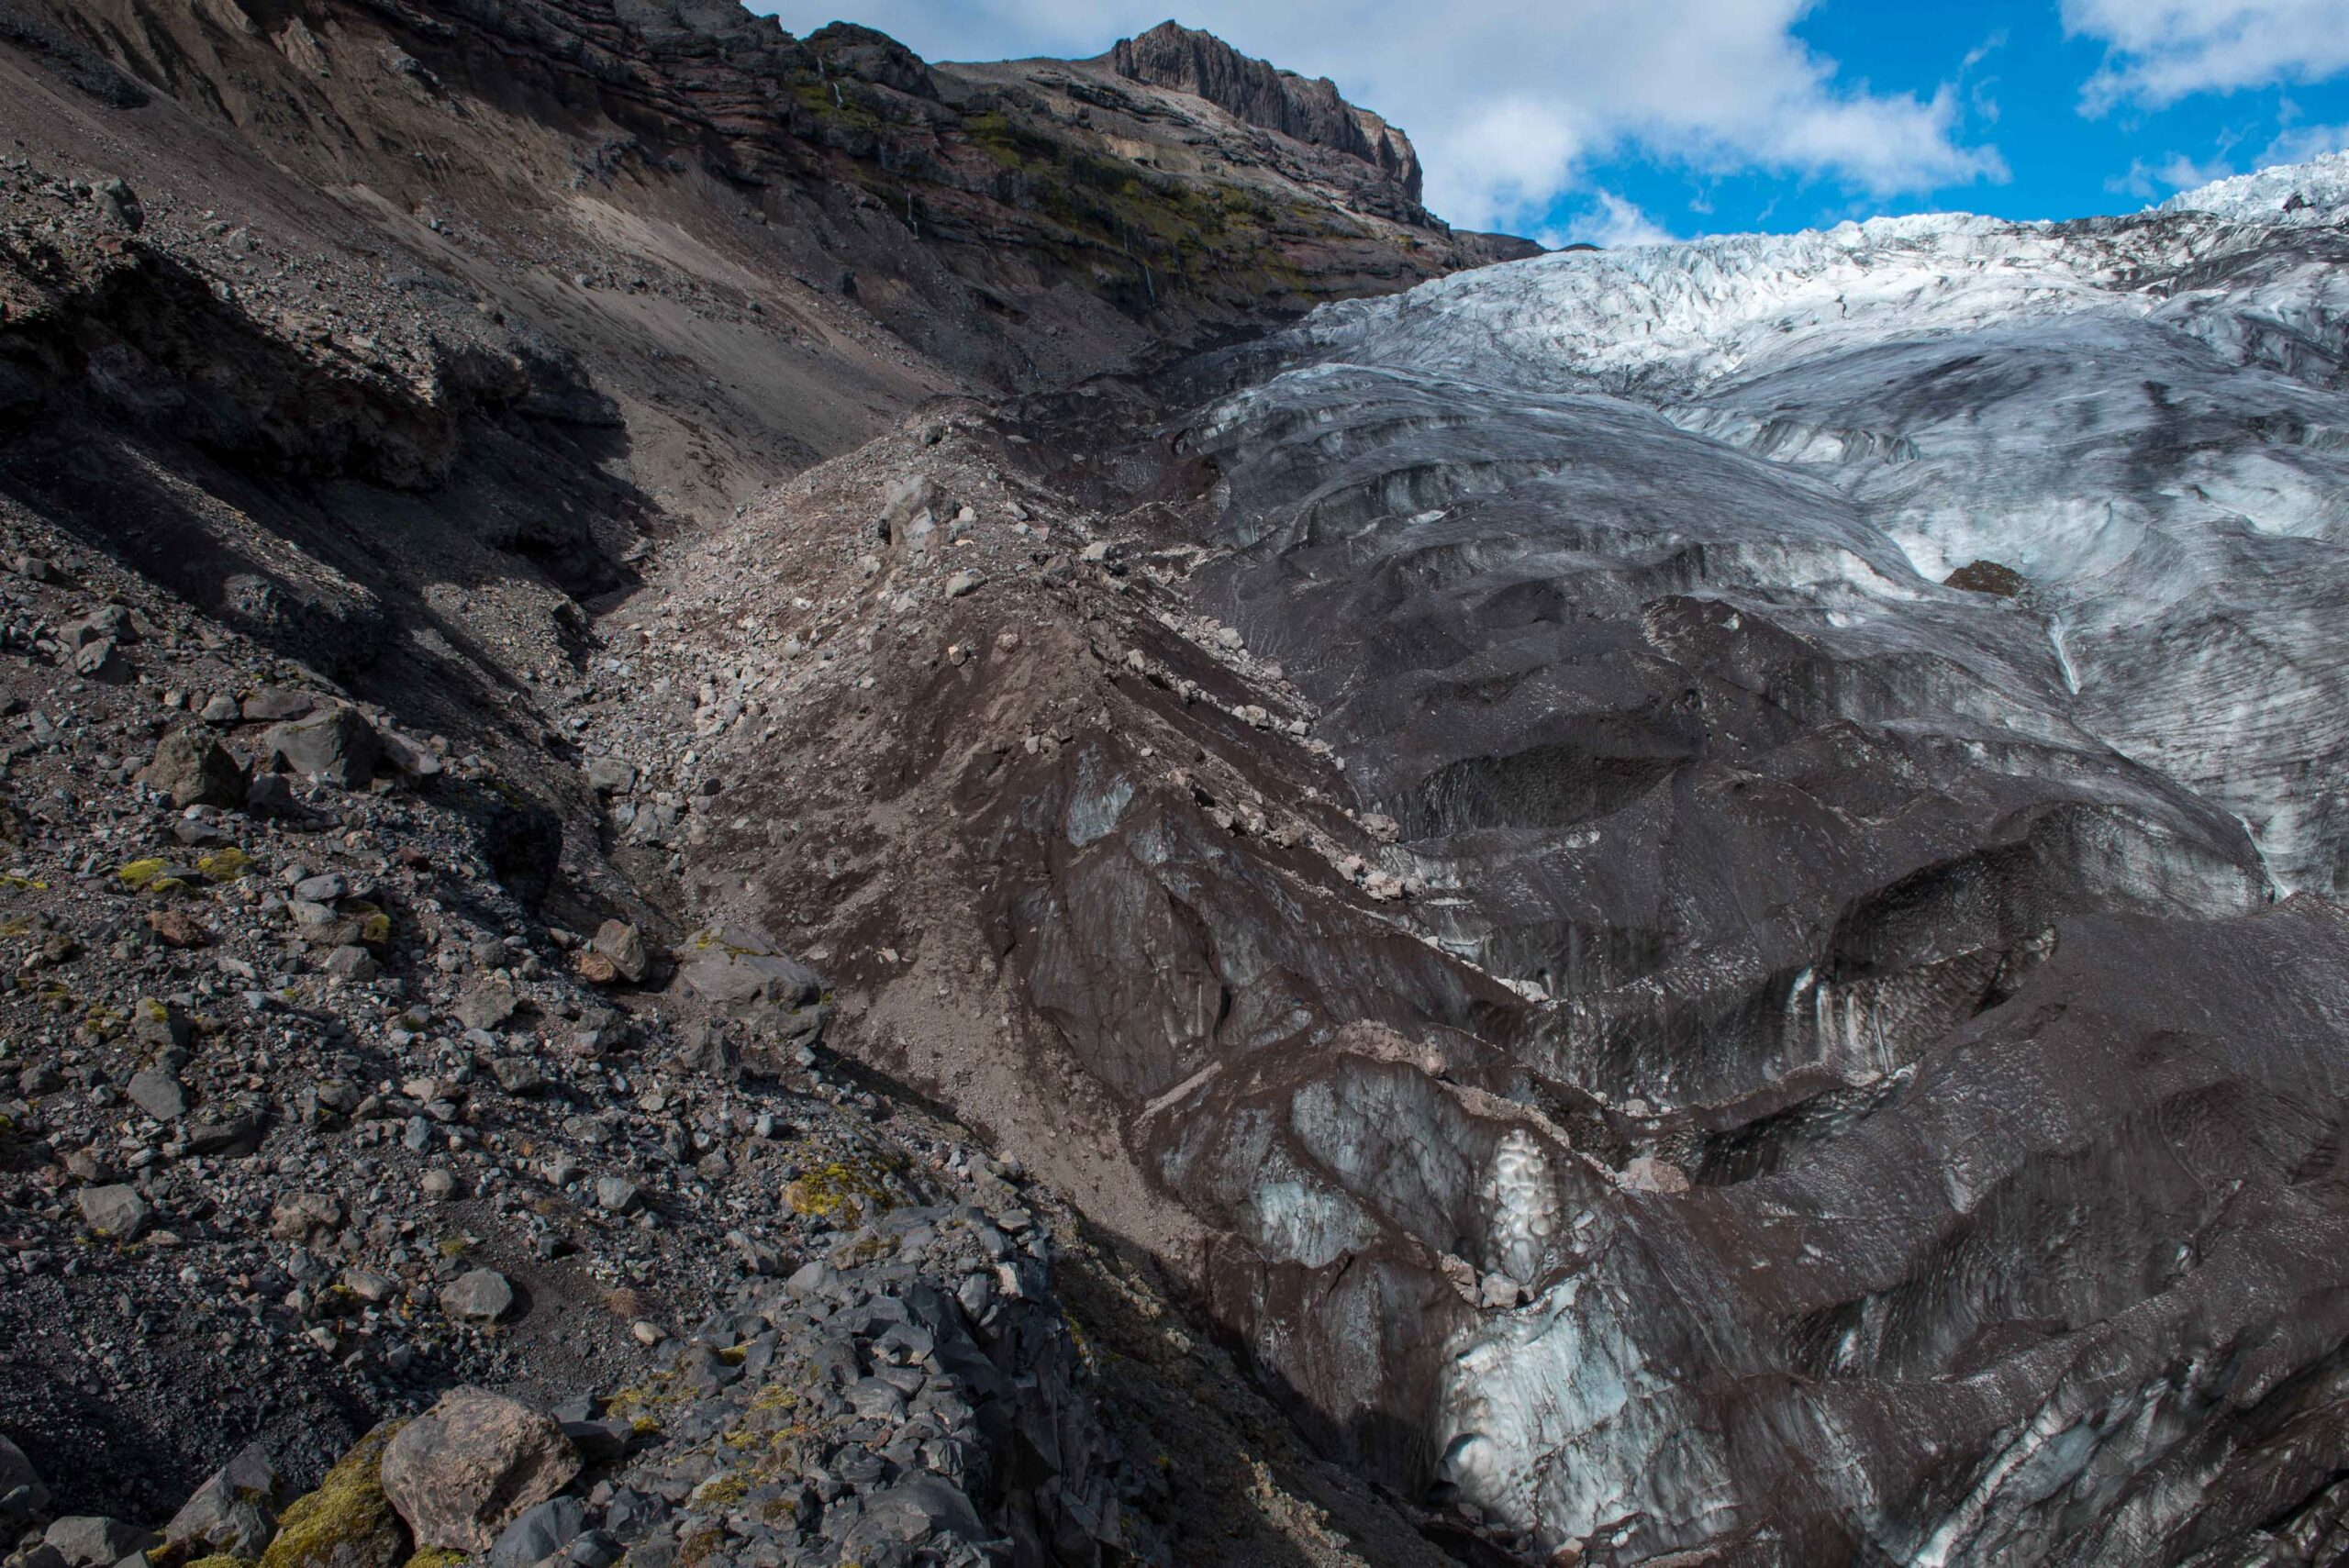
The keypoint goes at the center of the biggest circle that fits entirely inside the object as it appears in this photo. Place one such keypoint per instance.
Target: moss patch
(348, 1520)
(226, 864)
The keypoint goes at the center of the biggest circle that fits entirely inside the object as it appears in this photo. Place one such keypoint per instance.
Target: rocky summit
(763, 803)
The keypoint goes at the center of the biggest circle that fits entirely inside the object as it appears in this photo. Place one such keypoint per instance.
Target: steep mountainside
(765, 248)
(360, 1039)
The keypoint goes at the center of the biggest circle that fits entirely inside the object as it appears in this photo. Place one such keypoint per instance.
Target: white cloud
(1508, 99)
(1610, 222)
(2300, 143)
(2174, 173)
(2161, 50)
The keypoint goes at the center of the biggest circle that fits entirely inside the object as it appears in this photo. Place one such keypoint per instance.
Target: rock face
(1187, 61)
(471, 1465)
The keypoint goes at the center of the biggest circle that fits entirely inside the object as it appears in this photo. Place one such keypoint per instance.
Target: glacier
(1873, 704)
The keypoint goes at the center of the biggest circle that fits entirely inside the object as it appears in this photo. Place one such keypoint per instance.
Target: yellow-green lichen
(140, 873)
(845, 1192)
(720, 1490)
(226, 864)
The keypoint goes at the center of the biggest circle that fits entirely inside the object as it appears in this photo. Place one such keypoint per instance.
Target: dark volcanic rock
(1171, 55)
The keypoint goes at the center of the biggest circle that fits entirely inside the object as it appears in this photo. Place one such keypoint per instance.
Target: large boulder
(234, 1514)
(347, 1522)
(740, 969)
(335, 745)
(195, 770)
(90, 1540)
(471, 1465)
(117, 1213)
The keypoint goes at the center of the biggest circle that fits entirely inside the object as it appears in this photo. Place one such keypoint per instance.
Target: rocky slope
(361, 1040)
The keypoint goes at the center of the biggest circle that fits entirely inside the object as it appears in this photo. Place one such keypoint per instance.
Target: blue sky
(1619, 120)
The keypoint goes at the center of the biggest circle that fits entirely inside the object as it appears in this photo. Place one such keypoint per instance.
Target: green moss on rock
(347, 1522)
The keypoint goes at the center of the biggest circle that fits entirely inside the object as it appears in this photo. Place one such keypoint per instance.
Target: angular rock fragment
(336, 746)
(621, 945)
(233, 1514)
(481, 1296)
(194, 769)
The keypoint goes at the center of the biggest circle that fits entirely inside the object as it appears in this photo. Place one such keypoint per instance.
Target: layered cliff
(1171, 55)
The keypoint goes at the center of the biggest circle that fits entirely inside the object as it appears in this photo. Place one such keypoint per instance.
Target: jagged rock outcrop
(1172, 55)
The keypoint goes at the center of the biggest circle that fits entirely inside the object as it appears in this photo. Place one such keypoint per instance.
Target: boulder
(352, 962)
(348, 1522)
(274, 704)
(16, 1469)
(177, 928)
(921, 1509)
(336, 745)
(471, 1465)
(610, 776)
(102, 662)
(92, 1540)
(623, 945)
(540, 1533)
(230, 1134)
(106, 621)
(270, 795)
(481, 1297)
(486, 1006)
(739, 970)
(120, 204)
(234, 1514)
(117, 1213)
(157, 1093)
(410, 756)
(915, 496)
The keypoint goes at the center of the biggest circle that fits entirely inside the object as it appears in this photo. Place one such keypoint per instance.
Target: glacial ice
(1928, 936)
(2141, 415)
